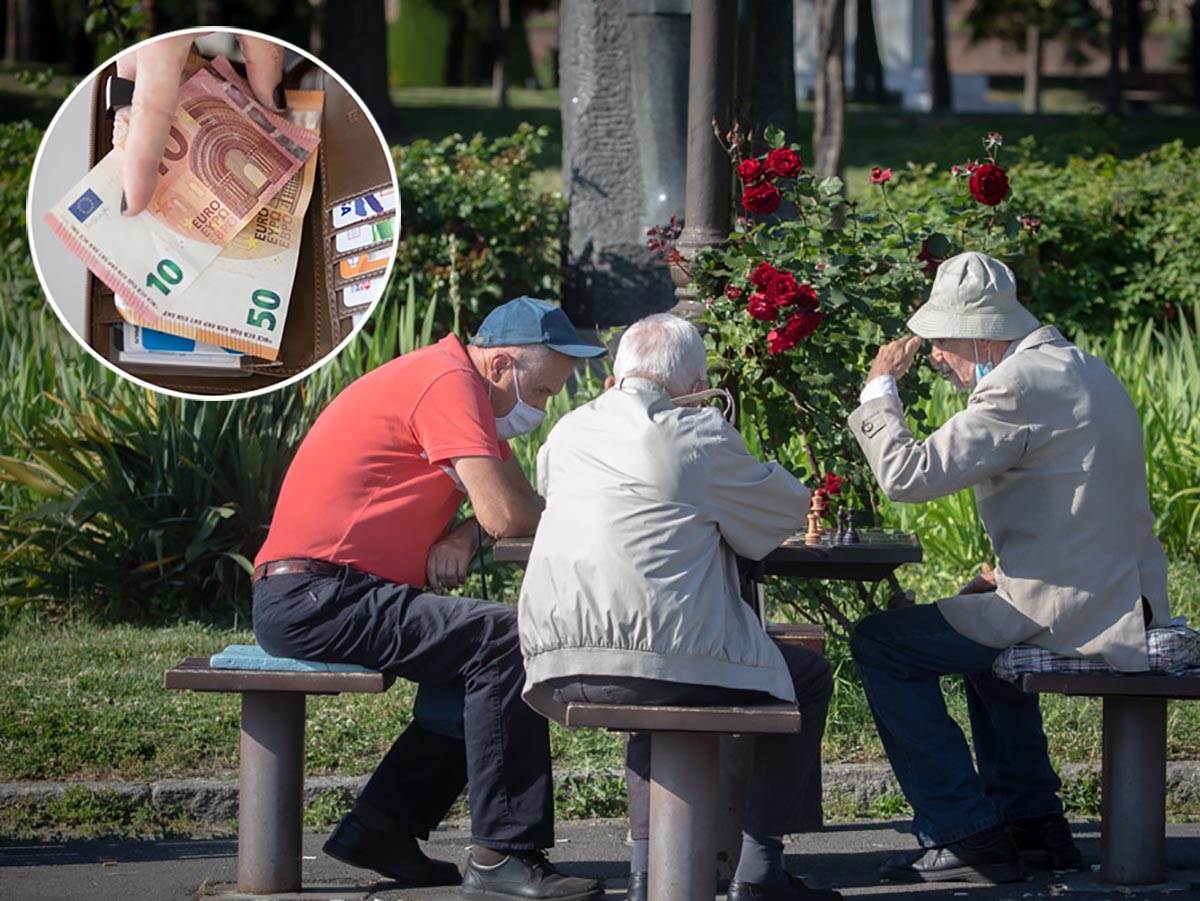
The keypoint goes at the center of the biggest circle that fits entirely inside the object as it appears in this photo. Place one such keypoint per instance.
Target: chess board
(878, 538)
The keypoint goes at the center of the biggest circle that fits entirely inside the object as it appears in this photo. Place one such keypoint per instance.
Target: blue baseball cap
(528, 320)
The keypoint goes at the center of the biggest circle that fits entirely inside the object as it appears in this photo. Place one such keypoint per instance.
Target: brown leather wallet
(351, 162)
(295, 565)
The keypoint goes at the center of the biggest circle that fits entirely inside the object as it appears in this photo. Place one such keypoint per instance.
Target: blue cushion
(251, 656)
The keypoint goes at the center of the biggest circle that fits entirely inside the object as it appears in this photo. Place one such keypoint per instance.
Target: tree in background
(829, 88)
(868, 67)
(1112, 83)
(1027, 24)
(354, 44)
(940, 100)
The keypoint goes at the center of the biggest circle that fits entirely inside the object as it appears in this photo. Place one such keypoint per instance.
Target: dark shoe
(527, 874)
(637, 887)
(1046, 842)
(390, 854)
(795, 890)
(988, 857)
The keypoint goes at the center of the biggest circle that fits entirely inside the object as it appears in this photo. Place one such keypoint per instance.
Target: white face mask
(522, 419)
(686, 400)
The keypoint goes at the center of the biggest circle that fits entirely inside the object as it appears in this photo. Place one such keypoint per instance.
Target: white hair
(665, 349)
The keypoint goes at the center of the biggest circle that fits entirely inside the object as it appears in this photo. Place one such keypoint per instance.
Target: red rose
(782, 289)
(762, 199)
(931, 262)
(761, 308)
(733, 292)
(806, 298)
(988, 184)
(762, 275)
(795, 330)
(784, 162)
(833, 483)
(879, 176)
(751, 171)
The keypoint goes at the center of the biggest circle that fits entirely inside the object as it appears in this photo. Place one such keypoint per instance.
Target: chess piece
(851, 534)
(815, 514)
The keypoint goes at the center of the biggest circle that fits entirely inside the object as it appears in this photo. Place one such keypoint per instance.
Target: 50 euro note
(241, 300)
(226, 156)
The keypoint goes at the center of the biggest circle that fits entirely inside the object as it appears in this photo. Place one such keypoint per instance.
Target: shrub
(1113, 245)
(475, 231)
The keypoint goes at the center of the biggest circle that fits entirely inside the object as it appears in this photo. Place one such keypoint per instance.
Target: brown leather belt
(296, 565)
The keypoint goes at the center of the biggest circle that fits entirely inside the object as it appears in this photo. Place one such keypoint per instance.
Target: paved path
(844, 856)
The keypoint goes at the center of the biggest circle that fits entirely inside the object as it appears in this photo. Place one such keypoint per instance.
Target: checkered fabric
(1174, 650)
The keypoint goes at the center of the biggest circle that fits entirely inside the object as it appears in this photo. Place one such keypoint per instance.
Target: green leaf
(773, 136)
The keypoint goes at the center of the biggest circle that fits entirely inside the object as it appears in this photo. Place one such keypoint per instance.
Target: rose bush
(796, 307)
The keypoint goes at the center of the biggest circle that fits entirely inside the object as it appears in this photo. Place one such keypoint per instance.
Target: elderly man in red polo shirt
(363, 539)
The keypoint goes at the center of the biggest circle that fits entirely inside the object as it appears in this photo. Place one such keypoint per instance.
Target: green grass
(883, 136)
(85, 701)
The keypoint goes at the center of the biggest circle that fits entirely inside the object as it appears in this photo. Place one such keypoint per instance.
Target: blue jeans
(901, 655)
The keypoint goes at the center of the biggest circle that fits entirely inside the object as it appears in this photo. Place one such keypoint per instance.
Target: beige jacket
(1052, 445)
(633, 569)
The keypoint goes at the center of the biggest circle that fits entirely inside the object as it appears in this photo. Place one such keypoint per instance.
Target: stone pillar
(709, 176)
(623, 87)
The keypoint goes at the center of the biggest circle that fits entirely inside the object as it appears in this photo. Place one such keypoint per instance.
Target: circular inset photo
(213, 213)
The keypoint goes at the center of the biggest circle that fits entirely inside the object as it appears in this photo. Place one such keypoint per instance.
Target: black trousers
(784, 766)
(504, 755)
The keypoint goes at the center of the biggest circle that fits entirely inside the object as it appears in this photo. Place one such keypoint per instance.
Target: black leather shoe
(1046, 842)
(390, 854)
(988, 857)
(637, 887)
(795, 890)
(527, 874)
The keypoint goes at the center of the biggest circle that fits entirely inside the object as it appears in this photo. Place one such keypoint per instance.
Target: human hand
(450, 558)
(146, 122)
(984, 582)
(895, 358)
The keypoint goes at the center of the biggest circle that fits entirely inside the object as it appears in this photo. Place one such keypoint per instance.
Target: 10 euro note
(226, 156)
(241, 300)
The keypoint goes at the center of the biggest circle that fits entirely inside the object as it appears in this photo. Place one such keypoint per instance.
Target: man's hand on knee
(985, 581)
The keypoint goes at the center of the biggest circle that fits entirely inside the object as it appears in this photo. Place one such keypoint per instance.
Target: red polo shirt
(367, 486)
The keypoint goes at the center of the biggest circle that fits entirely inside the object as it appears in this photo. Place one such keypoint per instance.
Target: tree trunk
(1134, 33)
(829, 88)
(939, 69)
(773, 67)
(500, 64)
(1033, 70)
(354, 44)
(12, 29)
(211, 12)
(1112, 86)
(1194, 55)
(868, 67)
(316, 25)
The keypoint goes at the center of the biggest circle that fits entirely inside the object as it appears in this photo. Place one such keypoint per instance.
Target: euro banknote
(226, 158)
(241, 300)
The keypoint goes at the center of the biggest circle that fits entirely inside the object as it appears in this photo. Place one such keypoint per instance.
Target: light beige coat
(633, 569)
(1052, 445)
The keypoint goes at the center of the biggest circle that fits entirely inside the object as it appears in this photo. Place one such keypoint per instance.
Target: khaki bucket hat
(974, 296)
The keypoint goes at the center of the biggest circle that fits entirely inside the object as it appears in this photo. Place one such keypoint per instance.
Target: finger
(264, 70)
(127, 69)
(431, 570)
(155, 94)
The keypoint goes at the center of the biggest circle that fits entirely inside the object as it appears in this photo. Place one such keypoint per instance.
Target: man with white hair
(631, 592)
(361, 542)
(1052, 446)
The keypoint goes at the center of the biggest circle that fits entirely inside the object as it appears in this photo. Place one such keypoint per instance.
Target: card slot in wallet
(364, 236)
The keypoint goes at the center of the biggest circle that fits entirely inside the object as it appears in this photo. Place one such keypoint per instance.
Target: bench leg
(684, 769)
(1134, 791)
(271, 792)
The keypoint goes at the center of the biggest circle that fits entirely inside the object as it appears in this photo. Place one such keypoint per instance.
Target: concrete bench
(684, 779)
(271, 768)
(1133, 783)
